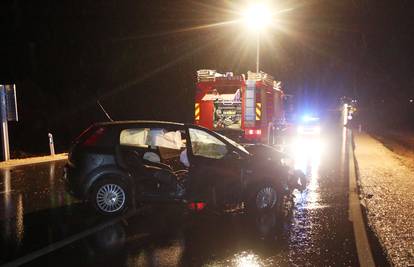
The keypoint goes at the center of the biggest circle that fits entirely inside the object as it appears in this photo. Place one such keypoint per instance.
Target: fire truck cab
(231, 103)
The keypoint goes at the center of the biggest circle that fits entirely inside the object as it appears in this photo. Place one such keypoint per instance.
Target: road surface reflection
(307, 153)
(35, 209)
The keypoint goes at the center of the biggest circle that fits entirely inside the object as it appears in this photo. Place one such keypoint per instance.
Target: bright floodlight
(257, 17)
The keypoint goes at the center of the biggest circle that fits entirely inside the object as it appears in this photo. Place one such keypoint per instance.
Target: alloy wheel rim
(266, 198)
(110, 198)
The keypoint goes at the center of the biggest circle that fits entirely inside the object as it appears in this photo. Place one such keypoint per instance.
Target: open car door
(215, 169)
(152, 156)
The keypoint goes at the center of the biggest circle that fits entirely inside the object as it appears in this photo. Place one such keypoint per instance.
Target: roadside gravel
(387, 189)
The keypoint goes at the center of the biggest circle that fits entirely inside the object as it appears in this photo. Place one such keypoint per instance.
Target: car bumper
(71, 186)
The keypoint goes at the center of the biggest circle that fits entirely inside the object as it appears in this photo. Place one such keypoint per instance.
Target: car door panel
(215, 177)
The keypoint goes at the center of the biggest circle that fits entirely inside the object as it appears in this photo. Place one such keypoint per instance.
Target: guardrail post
(4, 126)
(51, 144)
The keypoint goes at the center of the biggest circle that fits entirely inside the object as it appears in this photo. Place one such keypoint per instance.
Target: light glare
(257, 17)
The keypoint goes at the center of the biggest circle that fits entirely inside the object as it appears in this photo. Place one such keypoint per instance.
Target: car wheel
(109, 196)
(263, 198)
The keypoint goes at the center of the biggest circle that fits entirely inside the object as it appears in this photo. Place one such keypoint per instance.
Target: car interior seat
(153, 159)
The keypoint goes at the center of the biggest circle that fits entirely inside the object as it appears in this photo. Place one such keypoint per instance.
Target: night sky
(139, 58)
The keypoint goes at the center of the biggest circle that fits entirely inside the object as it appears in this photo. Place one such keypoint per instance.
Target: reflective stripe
(258, 111)
(249, 106)
(197, 111)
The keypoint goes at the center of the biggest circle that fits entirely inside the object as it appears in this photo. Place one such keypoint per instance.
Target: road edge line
(355, 213)
(64, 242)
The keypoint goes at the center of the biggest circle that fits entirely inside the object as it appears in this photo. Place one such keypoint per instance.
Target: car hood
(264, 158)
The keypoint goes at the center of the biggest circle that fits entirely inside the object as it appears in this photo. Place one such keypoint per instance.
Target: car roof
(135, 122)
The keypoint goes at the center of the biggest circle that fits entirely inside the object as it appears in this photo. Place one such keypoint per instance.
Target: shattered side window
(135, 137)
(205, 145)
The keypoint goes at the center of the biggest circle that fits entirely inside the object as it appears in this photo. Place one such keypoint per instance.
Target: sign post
(8, 110)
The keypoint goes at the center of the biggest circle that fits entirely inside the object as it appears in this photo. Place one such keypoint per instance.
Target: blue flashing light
(308, 118)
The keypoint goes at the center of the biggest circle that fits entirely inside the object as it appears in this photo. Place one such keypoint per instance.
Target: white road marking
(355, 214)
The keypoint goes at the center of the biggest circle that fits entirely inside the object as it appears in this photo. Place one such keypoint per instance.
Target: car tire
(264, 197)
(110, 196)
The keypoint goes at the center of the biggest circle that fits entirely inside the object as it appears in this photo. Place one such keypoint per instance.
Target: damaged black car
(116, 165)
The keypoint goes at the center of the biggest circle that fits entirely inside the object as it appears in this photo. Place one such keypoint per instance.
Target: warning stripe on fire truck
(258, 111)
(197, 111)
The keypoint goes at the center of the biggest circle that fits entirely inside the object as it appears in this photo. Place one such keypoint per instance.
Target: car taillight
(254, 131)
(95, 137)
(84, 133)
(196, 206)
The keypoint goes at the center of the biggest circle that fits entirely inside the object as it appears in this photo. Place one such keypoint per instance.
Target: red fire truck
(228, 103)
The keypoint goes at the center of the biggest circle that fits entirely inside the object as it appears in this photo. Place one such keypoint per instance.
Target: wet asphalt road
(35, 211)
